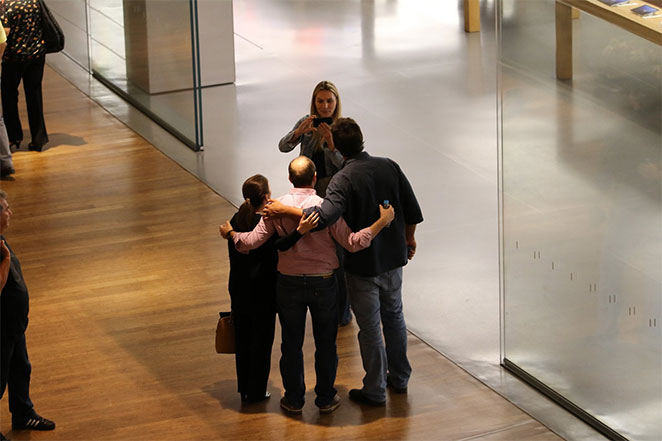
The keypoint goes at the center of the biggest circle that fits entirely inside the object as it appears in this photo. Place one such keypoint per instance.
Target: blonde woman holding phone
(313, 133)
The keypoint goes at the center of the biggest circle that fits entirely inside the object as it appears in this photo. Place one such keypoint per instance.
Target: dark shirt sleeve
(286, 242)
(410, 208)
(333, 205)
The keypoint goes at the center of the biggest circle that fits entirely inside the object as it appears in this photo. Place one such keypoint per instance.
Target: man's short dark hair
(347, 137)
(302, 172)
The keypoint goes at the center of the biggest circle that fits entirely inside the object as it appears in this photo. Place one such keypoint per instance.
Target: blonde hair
(337, 113)
(326, 85)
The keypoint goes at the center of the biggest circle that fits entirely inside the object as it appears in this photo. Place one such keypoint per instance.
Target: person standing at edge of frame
(6, 162)
(15, 368)
(23, 60)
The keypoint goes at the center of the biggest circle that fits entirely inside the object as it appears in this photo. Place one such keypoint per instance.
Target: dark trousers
(254, 328)
(15, 372)
(295, 295)
(344, 314)
(31, 72)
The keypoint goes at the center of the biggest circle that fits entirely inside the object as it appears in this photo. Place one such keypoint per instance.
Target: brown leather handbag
(225, 334)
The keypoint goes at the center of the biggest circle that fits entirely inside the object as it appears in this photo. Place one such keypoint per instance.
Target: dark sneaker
(333, 405)
(397, 390)
(35, 422)
(287, 407)
(357, 395)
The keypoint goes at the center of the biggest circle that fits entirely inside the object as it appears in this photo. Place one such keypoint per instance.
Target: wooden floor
(127, 273)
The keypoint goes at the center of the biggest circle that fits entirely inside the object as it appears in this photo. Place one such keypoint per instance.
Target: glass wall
(580, 107)
(144, 50)
(72, 17)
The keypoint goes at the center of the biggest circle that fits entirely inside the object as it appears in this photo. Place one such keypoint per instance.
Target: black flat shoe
(34, 147)
(248, 399)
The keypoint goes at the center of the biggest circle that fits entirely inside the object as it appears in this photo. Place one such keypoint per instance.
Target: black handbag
(51, 31)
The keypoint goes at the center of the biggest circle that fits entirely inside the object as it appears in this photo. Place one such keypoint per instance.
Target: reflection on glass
(142, 49)
(582, 213)
(72, 17)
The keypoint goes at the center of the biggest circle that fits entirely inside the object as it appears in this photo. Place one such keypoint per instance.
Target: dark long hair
(255, 189)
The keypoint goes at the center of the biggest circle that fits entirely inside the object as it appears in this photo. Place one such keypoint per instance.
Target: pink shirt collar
(302, 191)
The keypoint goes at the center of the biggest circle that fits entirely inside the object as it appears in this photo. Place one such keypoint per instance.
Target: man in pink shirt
(306, 282)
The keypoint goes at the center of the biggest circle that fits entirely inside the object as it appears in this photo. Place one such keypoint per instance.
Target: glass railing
(580, 108)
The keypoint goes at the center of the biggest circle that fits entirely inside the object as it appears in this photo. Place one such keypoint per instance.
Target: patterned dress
(25, 41)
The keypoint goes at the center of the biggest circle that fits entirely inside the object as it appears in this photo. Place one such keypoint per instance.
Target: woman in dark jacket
(252, 287)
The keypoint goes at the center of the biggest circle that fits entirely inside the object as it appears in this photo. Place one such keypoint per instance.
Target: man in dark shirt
(374, 275)
(14, 363)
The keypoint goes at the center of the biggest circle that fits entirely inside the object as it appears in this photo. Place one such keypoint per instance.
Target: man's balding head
(302, 172)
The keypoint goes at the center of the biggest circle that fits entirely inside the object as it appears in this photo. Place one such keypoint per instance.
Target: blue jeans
(377, 302)
(295, 295)
(5, 152)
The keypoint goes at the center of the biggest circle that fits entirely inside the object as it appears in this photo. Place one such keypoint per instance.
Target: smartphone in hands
(318, 121)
